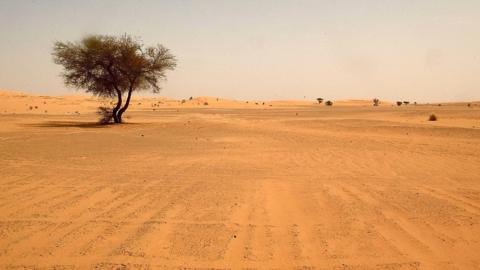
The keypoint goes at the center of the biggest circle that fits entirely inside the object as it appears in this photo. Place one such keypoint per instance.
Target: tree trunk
(125, 107)
(117, 119)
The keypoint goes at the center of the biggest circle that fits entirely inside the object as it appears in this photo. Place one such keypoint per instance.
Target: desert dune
(237, 185)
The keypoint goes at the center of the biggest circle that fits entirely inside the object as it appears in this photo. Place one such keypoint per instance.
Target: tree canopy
(112, 66)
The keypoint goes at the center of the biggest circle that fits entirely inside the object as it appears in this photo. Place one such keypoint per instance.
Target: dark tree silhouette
(112, 66)
(376, 102)
(320, 100)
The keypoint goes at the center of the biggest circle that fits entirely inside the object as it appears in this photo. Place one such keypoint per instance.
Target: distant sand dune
(22, 103)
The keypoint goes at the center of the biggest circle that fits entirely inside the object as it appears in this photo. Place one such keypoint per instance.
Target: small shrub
(183, 101)
(399, 103)
(406, 102)
(469, 105)
(190, 98)
(205, 104)
(105, 114)
(329, 103)
(376, 101)
(320, 100)
(432, 117)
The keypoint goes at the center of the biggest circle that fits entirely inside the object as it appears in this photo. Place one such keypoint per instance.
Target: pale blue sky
(415, 50)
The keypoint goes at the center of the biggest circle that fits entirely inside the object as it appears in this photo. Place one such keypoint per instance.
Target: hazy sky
(412, 50)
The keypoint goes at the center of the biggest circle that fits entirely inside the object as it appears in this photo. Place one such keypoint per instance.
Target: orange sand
(295, 185)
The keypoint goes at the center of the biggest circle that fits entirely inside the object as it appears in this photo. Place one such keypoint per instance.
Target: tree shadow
(67, 124)
(79, 124)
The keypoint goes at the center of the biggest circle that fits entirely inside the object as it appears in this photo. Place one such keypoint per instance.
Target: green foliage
(101, 63)
(110, 66)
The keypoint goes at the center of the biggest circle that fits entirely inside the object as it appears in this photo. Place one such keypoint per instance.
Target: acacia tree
(113, 66)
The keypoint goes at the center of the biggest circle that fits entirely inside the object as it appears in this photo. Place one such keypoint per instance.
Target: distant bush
(190, 98)
(106, 115)
(406, 102)
(469, 105)
(183, 101)
(320, 100)
(432, 117)
(399, 103)
(329, 103)
(205, 103)
(376, 101)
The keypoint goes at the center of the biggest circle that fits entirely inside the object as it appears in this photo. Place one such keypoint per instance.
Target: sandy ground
(297, 186)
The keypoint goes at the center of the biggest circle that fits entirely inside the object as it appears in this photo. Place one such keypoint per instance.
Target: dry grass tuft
(106, 115)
